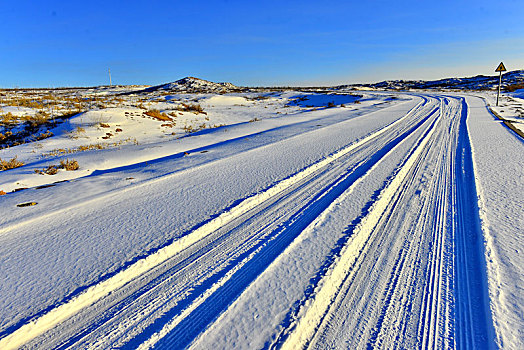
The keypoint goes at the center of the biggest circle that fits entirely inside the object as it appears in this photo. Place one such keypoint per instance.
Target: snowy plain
(284, 222)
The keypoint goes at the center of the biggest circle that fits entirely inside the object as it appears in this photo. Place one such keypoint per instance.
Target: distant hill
(193, 85)
(479, 82)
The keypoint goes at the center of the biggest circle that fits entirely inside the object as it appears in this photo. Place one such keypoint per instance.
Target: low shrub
(51, 170)
(44, 135)
(193, 107)
(156, 114)
(514, 87)
(10, 164)
(38, 119)
(69, 165)
(8, 119)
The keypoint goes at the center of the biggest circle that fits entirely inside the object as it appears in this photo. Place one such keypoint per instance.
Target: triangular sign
(500, 68)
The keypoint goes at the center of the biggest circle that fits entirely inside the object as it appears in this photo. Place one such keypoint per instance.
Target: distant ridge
(479, 82)
(193, 85)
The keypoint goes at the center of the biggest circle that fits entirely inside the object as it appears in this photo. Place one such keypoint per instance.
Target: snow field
(339, 227)
(331, 285)
(498, 160)
(171, 325)
(268, 296)
(65, 310)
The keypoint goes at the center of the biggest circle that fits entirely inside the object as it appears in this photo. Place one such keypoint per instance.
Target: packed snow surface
(264, 220)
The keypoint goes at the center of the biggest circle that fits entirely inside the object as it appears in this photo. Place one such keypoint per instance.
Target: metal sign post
(500, 69)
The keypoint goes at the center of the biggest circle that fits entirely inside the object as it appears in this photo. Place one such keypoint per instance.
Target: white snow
(283, 218)
(224, 100)
(18, 111)
(499, 169)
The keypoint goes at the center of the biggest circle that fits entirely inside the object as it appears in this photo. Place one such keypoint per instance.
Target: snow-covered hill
(479, 82)
(193, 85)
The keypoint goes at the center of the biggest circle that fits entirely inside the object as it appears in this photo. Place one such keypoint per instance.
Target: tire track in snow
(474, 322)
(291, 318)
(232, 250)
(288, 226)
(395, 324)
(94, 293)
(319, 305)
(183, 328)
(450, 298)
(110, 197)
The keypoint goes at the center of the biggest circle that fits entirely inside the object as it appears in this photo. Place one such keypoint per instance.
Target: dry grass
(156, 114)
(75, 134)
(8, 119)
(10, 164)
(69, 165)
(190, 128)
(50, 170)
(193, 107)
(83, 148)
(24, 102)
(38, 119)
(44, 135)
(514, 87)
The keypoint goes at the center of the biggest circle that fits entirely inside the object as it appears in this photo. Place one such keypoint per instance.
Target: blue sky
(73, 43)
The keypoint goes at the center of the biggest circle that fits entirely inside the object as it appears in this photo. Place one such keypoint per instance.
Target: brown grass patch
(69, 165)
(156, 114)
(44, 135)
(193, 107)
(90, 147)
(8, 119)
(10, 164)
(514, 87)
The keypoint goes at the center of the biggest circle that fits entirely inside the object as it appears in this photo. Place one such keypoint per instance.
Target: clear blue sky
(73, 43)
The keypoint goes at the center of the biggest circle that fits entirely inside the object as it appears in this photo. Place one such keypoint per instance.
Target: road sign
(501, 68)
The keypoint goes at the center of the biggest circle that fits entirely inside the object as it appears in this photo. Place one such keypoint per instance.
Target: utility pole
(109, 70)
(500, 69)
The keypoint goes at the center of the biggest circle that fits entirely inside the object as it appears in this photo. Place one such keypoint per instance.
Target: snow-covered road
(346, 231)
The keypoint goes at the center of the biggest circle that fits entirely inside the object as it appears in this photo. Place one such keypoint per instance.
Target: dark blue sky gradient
(73, 43)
